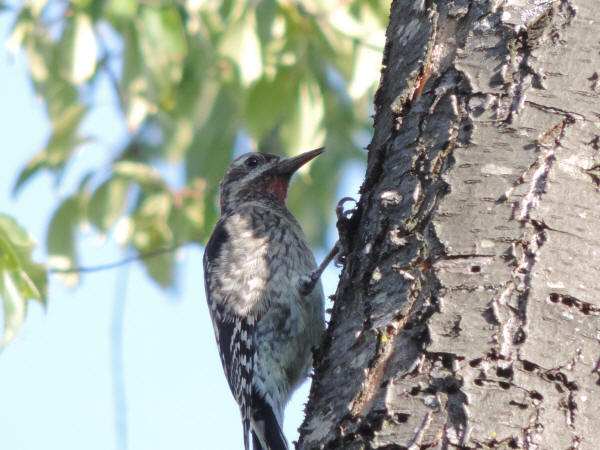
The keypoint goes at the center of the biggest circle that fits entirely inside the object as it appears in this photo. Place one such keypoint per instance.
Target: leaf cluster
(195, 82)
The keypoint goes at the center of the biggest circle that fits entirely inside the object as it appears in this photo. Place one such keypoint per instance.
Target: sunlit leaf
(138, 110)
(161, 265)
(78, 48)
(242, 46)
(107, 203)
(364, 78)
(63, 141)
(84, 50)
(164, 31)
(152, 234)
(14, 304)
(37, 64)
(187, 218)
(144, 174)
(163, 44)
(156, 208)
(265, 14)
(132, 58)
(121, 9)
(37, 6)
(271, 102)
(60, 240)
(22, 27)
(204, 109)
(133, 83)
(66, 121)
(369, 55)
(343, 21)
(20, 277)
(31, 168)
(305, 130)
(208, 166)
(199, 85)
(179, 140)
(271, 142)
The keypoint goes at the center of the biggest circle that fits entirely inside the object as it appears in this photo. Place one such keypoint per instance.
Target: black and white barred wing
(236, 345)
(234, 334)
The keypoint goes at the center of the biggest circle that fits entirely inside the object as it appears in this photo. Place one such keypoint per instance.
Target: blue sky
(57, 383)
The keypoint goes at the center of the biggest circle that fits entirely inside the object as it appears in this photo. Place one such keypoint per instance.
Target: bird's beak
(287, 166)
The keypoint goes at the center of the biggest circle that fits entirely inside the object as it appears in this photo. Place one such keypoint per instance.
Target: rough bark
(467, 311)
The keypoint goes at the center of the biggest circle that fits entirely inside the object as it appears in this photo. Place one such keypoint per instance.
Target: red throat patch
(278, 186)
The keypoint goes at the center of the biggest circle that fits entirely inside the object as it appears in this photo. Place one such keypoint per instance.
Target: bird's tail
(266, 428)
(246, 425)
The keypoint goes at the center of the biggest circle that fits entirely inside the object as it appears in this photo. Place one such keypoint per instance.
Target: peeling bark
(467, 311)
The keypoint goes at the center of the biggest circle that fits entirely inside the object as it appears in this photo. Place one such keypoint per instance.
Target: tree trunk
(467, 311)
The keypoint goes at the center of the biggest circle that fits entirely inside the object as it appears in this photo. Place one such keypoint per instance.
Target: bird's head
(255, 176)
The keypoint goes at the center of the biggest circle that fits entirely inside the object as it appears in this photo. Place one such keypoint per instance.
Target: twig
(130, 259)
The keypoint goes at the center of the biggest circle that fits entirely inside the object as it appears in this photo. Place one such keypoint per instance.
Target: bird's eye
(252, 162)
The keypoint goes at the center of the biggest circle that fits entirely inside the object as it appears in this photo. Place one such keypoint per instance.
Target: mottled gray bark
(467, 314)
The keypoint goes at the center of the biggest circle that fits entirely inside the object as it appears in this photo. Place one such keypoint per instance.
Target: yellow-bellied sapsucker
(266, 325)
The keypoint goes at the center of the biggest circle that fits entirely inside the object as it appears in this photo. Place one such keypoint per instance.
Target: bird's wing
(235, 334)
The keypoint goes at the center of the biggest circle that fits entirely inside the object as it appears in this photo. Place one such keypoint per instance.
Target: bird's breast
(262, 261)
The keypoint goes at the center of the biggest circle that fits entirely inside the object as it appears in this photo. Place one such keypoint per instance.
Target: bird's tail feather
(275, 442)
(246, 424)
(266, 429)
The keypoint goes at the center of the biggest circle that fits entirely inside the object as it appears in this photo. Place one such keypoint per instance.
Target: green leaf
(163, 44)
(84, 51)
(152, 233)
(265, 13)
(122, 9)
(208, 166)
(134, 85)
(271, 142)
(132, 58)
(147, 176)
(160, 266)
(271, 102)
(164, 31)
(62, 103)
(107, 203)
(242, 46)
(368, 55)
(60, 239)
(305, 129)
(177, 142)
(31, 168)
(195, 75)
(187, 218)
(23, 26)
(14, 304)
(77, 49)
(63, 141)
(20, 278)
(199, 84)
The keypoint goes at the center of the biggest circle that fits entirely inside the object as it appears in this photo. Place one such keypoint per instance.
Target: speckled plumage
(265, 328)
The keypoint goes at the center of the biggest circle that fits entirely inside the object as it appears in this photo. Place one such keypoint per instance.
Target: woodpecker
(266, 313)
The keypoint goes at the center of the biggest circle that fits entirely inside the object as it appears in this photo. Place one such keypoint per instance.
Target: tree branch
(113, 265)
